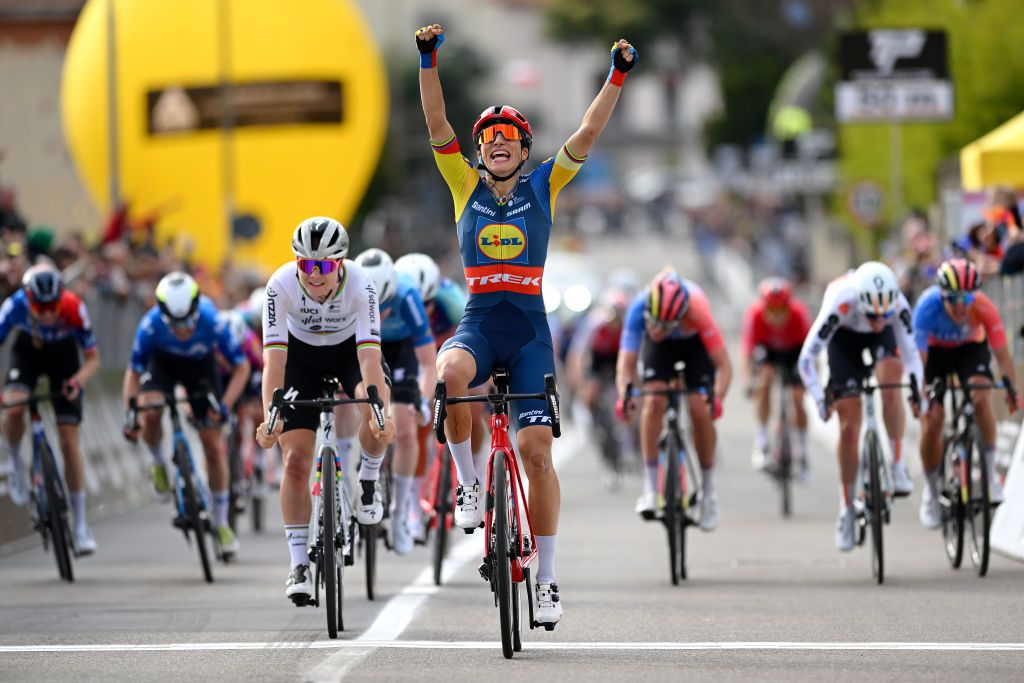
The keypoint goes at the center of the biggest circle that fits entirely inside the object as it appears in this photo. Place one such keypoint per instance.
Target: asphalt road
(766, 599)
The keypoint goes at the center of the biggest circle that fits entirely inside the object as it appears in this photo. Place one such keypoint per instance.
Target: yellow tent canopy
(996, 158)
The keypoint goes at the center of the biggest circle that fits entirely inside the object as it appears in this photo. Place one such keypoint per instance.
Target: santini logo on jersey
(518, 279)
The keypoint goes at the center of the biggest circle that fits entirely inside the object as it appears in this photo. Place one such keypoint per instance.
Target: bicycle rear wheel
(194, 512)
(329, 519)
(952, 505)
(442, 512)
(979, 508)
(256, 495)
(875, 505)
(502, 535)
(56, 513)
(673, 518)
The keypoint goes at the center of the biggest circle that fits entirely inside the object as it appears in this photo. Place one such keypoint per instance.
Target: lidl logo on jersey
(501, 242)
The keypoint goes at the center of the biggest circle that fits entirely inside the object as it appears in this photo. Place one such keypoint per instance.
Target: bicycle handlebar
(682, 389)
(324, 404)
(442, 400)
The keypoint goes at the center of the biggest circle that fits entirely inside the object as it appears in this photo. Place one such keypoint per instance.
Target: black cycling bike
(191, 505)
(333, 531)
(963, 473)
(681, 486)
(51, 512)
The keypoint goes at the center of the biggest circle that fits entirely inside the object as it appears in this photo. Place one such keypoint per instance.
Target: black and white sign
(894, 75)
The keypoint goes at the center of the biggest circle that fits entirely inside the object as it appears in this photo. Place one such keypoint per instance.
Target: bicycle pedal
(300, 600)
(485, 570)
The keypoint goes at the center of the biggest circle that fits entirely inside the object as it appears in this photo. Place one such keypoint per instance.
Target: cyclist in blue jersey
(409, 350)
(175, 343)
(503, 221)
(52, 325)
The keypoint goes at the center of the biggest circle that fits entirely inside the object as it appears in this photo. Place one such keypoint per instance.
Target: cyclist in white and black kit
(862, 310)
(320, 317)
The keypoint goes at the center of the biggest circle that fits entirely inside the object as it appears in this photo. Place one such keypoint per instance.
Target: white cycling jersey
(351, 310)
(840, 307)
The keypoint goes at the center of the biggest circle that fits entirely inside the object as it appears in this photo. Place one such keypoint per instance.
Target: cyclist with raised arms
(503, 222)
(862, 310)
(409, 351)
(776, 324)
(52, 325)
(668, 322)
(175, 343)
(320, 317)
(954, 325)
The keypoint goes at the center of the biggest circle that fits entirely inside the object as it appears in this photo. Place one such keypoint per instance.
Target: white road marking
(360, 644)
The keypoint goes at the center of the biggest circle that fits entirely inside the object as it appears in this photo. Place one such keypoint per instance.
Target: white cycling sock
(801, 439)
(157, 453)
(990, 463)
(707, 476)
(14, 453)
(403, 490)
(761, 437)
(931, 477)
(480, 458)
(221, 499)
(545, 559)
(298, 537)
(346, 446)
(650, 477)
(416, 494)
(370, 469)
(846, 492)
(462, 454)
(78, 508)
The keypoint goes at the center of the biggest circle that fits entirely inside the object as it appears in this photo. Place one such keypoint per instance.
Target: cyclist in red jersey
(774, 328)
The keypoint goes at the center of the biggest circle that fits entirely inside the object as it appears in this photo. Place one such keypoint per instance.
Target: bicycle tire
(235, 476)
(673, 518)
(369, 533)
(979, 507)
(875, 505)
(56, 513)
(502, 560)
(517, 639)
(785, 473)
(193, 509)
(442, 511)
(328, 520)
(952, 505)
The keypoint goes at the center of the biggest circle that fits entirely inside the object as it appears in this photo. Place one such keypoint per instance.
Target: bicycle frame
(871, 425)
(501, 446)
(178, 440)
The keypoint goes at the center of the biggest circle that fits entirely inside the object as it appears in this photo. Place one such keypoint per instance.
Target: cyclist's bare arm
(596, 118)
(431, 96)
(1005, 361)
(236, 384)
(274, 360)
(89, 367)
(426, 356)
(723, 371)
(372, 372)
(130, 386)
(625, 371)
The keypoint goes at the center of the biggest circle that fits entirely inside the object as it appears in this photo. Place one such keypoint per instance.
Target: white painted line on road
(399, 611)
(360, 644)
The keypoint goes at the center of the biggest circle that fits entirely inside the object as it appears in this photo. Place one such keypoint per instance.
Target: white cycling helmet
(877, 289)
(381, 270)
(321, 238)
(177, 295)
(423, 271)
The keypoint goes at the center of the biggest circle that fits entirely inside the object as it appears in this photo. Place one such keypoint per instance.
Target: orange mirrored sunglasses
(507, 130)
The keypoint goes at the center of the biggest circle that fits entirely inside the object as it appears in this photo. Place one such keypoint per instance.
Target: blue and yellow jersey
(504, 246)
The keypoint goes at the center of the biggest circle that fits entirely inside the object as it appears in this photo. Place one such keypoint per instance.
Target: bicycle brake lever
(440, 411)
(275, 410)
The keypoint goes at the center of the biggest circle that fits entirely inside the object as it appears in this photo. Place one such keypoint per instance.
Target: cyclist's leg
(889, 370)
(297, 445)
(764, 381)
(464, 360)
(21, 381)
(657, 368)
(973, 368)
(700, 372)
(846, 373)
(346, 437)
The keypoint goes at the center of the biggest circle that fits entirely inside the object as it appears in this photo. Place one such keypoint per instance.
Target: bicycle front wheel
(501, 531)
(674, 519)
(369, 533)
(194, 512)
(329, 520)
(56, 513)
(978, 507)
(951, 504)
(785, 472)
(875, 505)
(442, 513)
